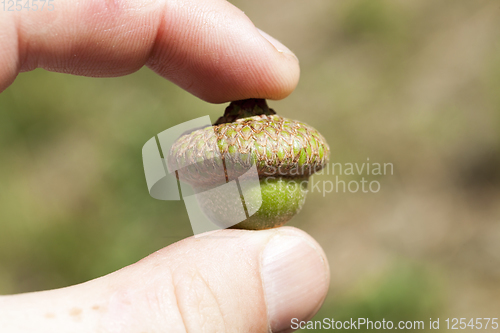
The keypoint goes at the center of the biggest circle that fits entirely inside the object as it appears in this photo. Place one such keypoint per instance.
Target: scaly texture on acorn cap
(279, 147)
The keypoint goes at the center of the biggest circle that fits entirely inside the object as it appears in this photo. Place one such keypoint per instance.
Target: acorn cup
(269, 157)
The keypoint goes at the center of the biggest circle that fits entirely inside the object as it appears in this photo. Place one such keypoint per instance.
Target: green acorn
(269, 156)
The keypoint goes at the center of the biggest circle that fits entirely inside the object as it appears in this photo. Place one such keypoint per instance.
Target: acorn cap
(248, 133)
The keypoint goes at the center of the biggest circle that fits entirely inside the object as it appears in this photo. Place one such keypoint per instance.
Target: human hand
(231, 280)
(207, 47)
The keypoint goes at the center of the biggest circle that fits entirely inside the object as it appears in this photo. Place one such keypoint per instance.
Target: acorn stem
(243, 109)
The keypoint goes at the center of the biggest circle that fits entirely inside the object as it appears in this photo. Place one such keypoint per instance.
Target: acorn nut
(285, 153)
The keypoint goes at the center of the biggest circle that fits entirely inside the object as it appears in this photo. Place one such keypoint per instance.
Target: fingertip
(295, 277)
(265, 71)
(280, 47)
(218, 55)
(273, 79)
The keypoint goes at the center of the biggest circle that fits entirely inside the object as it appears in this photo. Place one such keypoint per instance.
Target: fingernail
(277, 44)
(295, 280)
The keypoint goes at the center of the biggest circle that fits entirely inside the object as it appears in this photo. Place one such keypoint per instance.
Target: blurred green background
(415, 83)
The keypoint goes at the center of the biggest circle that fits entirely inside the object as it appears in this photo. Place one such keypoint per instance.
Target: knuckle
(197, 303)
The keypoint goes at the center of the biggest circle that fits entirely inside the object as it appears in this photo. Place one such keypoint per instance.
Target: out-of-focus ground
(413, 83)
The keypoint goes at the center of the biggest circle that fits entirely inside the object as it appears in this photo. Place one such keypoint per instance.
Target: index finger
(207, 47)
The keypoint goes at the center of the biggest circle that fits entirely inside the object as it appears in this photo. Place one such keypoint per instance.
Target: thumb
(227, 281)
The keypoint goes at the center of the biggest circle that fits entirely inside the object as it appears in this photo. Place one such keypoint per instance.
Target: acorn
(269, 157)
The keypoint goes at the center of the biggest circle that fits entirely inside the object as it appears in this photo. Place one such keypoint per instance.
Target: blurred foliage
(414, 83)
(74, 203)
(406, 292)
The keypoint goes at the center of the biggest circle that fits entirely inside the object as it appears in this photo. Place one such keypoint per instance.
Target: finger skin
(209, 284)
(208, 47)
